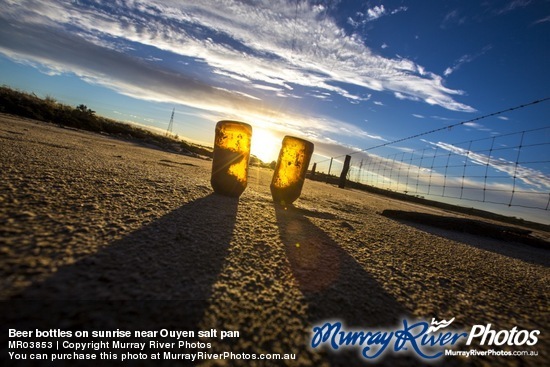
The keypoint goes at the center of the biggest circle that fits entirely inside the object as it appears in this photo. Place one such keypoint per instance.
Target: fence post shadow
(124, 285)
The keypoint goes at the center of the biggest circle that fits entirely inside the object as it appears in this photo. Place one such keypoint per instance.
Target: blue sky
(346, 75)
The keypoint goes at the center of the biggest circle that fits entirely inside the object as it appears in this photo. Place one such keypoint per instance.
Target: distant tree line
(81, 117)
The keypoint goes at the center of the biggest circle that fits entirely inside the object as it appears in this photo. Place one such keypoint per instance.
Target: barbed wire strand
(458, 185)
(448, 127)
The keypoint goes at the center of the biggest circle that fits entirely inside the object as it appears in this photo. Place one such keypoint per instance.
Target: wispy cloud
(464, 60)
(513, 5)
(453, 17)
(376, 12)
(363, 17)
(477, 126)
(542, 20)
(528, 176)
(229, 34)
(231, 59)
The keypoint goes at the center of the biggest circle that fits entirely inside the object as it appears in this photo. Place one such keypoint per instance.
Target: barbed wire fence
(510, 169)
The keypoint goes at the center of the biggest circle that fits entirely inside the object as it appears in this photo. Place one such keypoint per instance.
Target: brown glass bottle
(231, 156)
(290, 171)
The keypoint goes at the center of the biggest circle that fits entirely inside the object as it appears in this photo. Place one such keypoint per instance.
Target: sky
(347, 75)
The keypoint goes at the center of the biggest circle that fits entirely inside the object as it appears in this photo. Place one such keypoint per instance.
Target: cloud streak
(229, 59)
(227, 35)
(464, 60)
(526, 175)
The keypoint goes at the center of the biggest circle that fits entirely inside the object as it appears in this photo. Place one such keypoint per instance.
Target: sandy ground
(103, 232)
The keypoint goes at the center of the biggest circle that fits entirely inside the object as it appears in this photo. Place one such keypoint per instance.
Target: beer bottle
(290, 171)
(231, 156)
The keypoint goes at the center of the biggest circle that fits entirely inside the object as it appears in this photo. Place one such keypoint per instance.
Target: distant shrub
(82, 117)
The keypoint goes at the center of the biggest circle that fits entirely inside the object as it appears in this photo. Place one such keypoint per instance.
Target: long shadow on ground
(157, 277)
(336, 287)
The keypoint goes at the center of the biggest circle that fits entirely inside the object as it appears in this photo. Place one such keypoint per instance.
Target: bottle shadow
(159, 275)
(335, 286)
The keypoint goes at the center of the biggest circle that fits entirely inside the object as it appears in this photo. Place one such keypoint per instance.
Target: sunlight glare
(265, 145)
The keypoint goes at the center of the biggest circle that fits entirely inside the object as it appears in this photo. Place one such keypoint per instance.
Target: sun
(265, 145)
